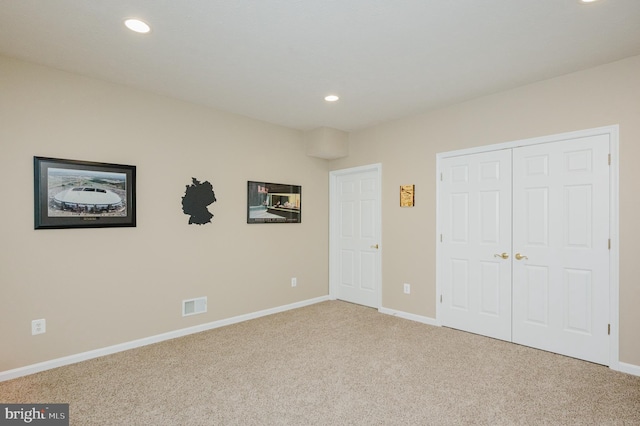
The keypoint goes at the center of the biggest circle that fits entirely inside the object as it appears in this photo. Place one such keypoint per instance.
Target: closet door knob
(520, 257)
(503, 255)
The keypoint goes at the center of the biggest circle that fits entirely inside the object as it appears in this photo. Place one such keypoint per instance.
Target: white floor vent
(194, 306)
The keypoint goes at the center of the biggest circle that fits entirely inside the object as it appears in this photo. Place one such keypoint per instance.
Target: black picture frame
(273, 202)
(83, 194)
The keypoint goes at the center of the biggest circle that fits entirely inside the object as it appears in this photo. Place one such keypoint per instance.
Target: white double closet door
(525, 245)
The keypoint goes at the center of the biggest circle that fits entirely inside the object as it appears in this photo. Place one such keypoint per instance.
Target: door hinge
(440, 177)
(609, 245)
(609, 329)
(440, 298)
(609, 159)
(440, 237)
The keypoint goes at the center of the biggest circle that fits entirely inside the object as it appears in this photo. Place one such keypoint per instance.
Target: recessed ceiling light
(137, 26)
(331, 98)
(587, 1)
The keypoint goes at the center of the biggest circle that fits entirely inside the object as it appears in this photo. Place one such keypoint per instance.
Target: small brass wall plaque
(407, 195)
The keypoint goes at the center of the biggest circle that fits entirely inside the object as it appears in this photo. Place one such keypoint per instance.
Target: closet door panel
(475, 203)
(560, 232)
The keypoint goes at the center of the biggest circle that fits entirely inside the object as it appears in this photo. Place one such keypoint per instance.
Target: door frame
(614, 226)
(334, 217)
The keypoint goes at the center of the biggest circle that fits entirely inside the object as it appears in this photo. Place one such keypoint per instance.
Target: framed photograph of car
(273, 202)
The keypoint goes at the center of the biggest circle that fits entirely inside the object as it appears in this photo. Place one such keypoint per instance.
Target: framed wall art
(83, 194)
(273, 203)
(407, 195)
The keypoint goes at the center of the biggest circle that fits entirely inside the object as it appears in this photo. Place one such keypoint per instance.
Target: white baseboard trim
(629, 368)
(406, 315)
(84, 356)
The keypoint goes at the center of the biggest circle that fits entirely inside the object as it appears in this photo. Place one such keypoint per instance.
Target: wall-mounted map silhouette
(195, 201)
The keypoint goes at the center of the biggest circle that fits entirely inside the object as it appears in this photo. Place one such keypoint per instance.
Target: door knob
(520, 257)
(375, 247)
(503, 255)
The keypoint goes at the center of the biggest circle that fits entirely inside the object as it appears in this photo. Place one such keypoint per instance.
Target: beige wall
(100, 287)
(407, 149)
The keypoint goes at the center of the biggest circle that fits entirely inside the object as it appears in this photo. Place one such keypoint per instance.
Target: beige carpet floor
(334, 363)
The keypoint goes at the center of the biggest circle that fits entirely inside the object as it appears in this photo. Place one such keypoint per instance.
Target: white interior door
(475, 202)
(561, 226)
(356, 231)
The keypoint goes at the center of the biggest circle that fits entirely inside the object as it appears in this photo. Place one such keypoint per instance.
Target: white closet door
(475, 202)
(561, 226)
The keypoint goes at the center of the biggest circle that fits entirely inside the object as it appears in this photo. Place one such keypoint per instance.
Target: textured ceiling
(275, 60)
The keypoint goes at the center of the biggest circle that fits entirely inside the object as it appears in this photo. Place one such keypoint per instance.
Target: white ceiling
(275, 60)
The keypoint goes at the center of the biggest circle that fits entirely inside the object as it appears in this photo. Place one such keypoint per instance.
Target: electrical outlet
(407, 288)
(294, 282)
(38, 326)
